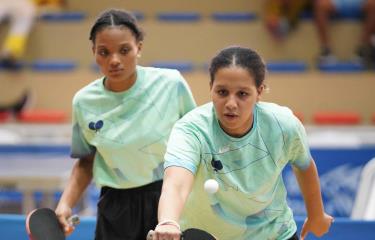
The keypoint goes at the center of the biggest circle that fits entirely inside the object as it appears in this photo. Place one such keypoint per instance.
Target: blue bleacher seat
(62, 16)
(53, 65)
(139, 15)
(95, 67)
(179, 16)
(38, 196)
(10, 195)
(34, 149)
(307, 15)
(182, 66)
(347, 14)
(341, 67)
(10, 200)
(286, 66)
(17, 66)
(234, 16)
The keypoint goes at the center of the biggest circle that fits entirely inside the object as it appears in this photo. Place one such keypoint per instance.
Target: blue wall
(339, 172)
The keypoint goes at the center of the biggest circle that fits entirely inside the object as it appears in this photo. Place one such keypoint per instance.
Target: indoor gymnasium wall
(196, 42)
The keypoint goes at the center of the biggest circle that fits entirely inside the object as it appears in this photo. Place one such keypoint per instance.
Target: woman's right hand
(64, 212)
(166, 232)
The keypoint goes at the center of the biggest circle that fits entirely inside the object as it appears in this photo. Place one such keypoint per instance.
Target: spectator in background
(50, 5)
(282, 16)
(324, 9)
(21, 15)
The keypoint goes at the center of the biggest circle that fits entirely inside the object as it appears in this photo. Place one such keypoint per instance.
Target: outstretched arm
(318, 222)
(177, 185)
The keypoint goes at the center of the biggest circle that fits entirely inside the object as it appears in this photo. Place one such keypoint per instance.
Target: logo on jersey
(216, 164)
(96, 126)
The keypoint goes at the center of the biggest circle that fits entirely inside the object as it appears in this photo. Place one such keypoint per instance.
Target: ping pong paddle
(190, 234)
(42, 224)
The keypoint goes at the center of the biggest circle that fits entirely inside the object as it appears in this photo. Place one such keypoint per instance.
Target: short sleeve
(79, 146)
(299, 151)
(185, 97)
(183, 149)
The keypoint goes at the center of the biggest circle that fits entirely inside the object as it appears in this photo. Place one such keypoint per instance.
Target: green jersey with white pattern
(128, 131)
(251, 200)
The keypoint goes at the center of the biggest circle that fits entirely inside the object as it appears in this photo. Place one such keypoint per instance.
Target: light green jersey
(128, 131)
(251, 201)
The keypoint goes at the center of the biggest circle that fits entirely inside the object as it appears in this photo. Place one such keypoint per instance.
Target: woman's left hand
(317, 225)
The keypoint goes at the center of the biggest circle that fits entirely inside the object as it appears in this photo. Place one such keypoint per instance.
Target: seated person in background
(50, 5)
(21, 15)
(282, 16)
(17, 106)
(324, 9)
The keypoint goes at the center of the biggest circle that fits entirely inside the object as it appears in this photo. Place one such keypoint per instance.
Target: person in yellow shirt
(21, 15)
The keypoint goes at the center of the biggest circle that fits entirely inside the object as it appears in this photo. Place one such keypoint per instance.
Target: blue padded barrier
(339, 171)
(182, 66)
(234, 16)
(339, 174)
(341, 67)
(13, 227)
(179, 16)
(286, 66)
(53, 65)
(63, 16)
(344, 229)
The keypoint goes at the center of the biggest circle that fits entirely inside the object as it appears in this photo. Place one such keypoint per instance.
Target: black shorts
(127, 213)
(294, 237)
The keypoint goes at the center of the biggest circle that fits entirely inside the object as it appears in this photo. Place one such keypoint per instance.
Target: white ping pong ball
(211, 186)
